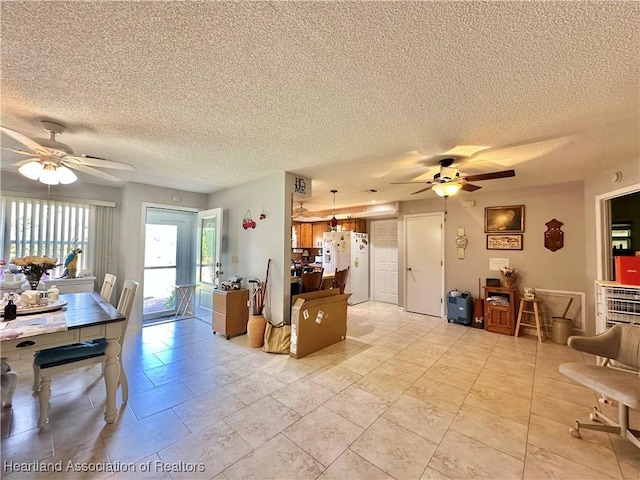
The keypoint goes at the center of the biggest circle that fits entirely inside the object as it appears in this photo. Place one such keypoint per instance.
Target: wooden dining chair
(311, 281)
(107, 286)
(48, 362)
(340, 279)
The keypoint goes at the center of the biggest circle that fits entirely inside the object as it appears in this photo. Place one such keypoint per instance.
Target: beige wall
(538, 267)
(571, 268)
(131, 240)
(271, 239)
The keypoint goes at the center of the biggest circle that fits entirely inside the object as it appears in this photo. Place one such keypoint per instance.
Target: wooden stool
(534, 312)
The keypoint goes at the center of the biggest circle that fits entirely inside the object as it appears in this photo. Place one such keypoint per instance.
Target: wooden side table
(499, 318)
(536, 315)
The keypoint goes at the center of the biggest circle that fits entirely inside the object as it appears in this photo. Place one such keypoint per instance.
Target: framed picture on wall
(504, 219)
(504, 242)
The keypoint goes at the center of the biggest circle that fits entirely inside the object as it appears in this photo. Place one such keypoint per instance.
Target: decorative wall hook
(247, 221)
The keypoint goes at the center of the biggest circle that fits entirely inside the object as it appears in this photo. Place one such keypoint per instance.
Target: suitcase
(459, 307)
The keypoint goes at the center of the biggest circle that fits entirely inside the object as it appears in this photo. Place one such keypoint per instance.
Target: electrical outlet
(235, 259)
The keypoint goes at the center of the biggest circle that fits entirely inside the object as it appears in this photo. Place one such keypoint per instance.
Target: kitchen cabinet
(309, 234)
(230, 312)
(318, 229)
(500, 318)
(304, 234)
(354, 225)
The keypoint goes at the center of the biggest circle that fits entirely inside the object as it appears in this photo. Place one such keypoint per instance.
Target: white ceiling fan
(54, 160)
(301, 212)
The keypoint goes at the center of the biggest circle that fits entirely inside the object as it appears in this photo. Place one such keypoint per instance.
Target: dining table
(88, 316)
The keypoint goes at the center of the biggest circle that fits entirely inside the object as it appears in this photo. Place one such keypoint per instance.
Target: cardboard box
(318, 319)
(628, 270)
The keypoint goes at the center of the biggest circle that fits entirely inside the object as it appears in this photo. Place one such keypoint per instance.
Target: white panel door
(424, 266)
(209, 266)
(384, 259)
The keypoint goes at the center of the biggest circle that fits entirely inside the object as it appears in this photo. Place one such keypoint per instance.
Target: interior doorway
(424, 276)
(624, 228)
(604, 229)
(169, 259)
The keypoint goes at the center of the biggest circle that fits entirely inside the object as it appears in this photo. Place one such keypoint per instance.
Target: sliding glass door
(169, 259)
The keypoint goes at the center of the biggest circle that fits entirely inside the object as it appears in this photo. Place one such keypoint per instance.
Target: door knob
(408, 269)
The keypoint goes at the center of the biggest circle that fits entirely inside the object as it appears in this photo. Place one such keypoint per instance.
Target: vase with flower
(33, 267)
(509, 276)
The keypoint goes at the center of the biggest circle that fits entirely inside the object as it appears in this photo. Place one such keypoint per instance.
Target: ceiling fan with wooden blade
(53, 161)
(448, 181)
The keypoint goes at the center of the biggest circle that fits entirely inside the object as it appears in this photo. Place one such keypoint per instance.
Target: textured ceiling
(203, 96)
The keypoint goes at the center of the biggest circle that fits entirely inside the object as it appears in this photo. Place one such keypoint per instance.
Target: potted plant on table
(33, 267)
(509, 275)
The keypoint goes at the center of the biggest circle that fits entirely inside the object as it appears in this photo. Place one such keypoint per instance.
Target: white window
(45, 227)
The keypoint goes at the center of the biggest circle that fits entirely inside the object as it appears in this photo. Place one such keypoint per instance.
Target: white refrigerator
(348, 249)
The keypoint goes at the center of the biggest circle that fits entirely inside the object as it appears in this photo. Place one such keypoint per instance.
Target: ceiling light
(31, 170)
(48, 173)
(446, 189)
(66, 176)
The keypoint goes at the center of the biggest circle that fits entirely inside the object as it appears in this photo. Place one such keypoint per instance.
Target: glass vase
(34, 280)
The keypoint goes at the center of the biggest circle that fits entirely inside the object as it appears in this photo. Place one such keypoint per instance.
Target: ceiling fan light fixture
(446, 189)
(31, 170)
(66, 176)
(48, 173)
(49, 176)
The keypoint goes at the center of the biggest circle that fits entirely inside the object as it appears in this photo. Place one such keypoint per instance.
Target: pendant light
(334, 220)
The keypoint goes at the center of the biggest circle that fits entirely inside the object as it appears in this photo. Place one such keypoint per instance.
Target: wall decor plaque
(504, 242)
(554, 237)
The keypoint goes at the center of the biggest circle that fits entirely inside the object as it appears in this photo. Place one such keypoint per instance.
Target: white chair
(107, 286)
(48, 362)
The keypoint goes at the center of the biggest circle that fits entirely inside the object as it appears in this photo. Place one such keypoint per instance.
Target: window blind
(45, 227)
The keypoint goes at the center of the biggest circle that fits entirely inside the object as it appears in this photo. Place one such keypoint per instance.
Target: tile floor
(405, 396)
